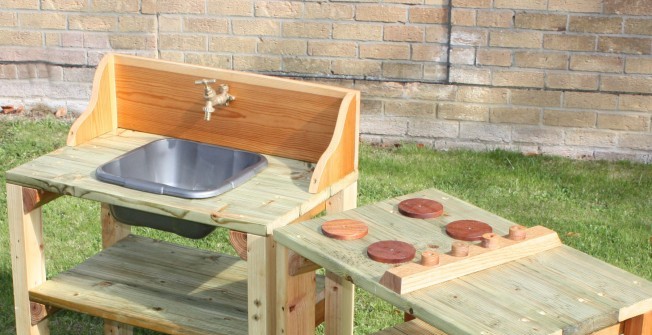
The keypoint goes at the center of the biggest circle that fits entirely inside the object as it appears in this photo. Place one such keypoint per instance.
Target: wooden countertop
(558, 291)
(275, 197)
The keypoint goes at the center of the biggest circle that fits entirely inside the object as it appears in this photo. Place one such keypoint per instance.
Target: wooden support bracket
(40, 312)
(299, 264)
(412, 276)
(33, 198)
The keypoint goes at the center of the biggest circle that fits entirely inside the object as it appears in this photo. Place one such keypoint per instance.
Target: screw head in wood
(517, 233)
(429, 258)
(420, 208)
(459, 249)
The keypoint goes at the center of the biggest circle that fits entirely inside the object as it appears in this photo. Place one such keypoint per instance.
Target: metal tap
(213, 99)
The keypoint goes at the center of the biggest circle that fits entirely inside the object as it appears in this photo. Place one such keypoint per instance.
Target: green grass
(601, 208)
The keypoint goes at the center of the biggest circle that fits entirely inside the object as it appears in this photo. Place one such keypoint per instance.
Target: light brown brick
(256, 63)
(536, 98)
(410, 108)
(573, 81)
(434, 92)
(20, 38)
(595, 24)
(433, 128)
(638, 26)
(260, 27)
(402, 70)
(92, 22)
(42, 20)
(628, 84)
(208, 59)
(463, 112)
(497, 57)
(639, 103)
(437, 34)
(580, 119)
(306, 29)
(569, 42)
(588, 100)
(173, 56)
(483, 95)
(635, 141)
(8, 19)
(518, 115)
(233, 44)
(428, 15)
(521, 4)
(515, 39)
(230, 7)
(461, 55)
(170, 23)
(306, 65)
(135, 42)
(282, 47)
(188, 42)
(470, 75)
(435, 72)
(385, 51)
(540, 21)
(385, 126)
(541, 60)
(590, 138)
(19, 4)
(628, 45)
(357, 31)
(472, 3)
(463, 17)
(8, 71)
(205, 25)
(628, 122)
(332, 49)
(53, 39)
(279, 9)
(328, 10)
(64, 5)
(117, 6)
(371, 107)
(518, 78)
(469, 36)
(381, 13)
(577, 6)
(429, 53)
(538, 135)
(495, 19)
(140, 23)
(353, 67)
(96, 41)
(404, 33)
(596, 63)
(628, 7)
(72, 39)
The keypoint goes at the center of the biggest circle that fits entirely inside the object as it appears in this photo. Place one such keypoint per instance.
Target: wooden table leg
(340, 292)
(640, 325)
(112, 232)
(295, 297)
(261, 286)
(27, 256)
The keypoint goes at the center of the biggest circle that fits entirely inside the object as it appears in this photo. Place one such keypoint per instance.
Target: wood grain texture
(261, 284)
(345, 229)
(411, 328)
(33, 199)
(420, 208)
(155, 285)
(40, 312)
(296, 297)
(639, 325)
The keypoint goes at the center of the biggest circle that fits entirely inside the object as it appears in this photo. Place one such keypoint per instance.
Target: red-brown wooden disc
(391, 252)
(420, 208)
(468, 230)
(344, 229)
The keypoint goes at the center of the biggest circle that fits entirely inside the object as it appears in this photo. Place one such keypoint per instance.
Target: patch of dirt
(34, 112)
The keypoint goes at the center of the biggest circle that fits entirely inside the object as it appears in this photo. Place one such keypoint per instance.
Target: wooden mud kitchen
(147, 149)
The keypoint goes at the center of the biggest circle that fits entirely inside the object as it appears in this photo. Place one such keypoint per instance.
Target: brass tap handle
(205, 81)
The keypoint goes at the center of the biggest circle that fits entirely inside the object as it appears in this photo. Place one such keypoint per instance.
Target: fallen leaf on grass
(10, 109)
(572, 234)
(61, 112)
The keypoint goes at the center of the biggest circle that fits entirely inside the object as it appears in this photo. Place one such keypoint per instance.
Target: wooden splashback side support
(281, 117)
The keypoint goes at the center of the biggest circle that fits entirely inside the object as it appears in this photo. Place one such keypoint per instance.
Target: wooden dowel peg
(490, 241)
(429, 258)
(517, 233)
(460, 249)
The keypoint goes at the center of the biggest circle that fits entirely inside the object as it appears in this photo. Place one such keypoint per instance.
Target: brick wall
(561, 77)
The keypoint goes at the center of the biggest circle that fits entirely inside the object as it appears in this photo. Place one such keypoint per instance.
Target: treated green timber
(559, 291)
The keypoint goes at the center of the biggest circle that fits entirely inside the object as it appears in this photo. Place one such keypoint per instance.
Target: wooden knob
(459, 249)
(517, 233)
(429, 258)
(490, 241)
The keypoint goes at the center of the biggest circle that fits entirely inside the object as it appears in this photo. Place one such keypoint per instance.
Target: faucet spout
(212, 98)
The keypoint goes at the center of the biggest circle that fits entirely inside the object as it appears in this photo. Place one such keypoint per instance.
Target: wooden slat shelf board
(412, 276)
(414, 327)
(155, 285)
(275, 197)
(557, 291)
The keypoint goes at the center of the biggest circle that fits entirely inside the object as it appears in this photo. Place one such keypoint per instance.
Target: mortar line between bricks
(448, 43)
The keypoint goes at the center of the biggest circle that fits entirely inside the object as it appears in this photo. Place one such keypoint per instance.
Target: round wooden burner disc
(391, 252)
(420, 208)
(344, 229)
(468, 230)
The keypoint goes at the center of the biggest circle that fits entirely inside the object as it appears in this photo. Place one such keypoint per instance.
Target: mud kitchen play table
(533, 286)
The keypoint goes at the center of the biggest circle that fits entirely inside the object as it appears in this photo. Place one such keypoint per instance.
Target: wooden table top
(558, 291)
(275, 197)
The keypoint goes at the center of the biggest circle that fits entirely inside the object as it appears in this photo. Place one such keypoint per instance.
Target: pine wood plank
(155, 285)
(295, 297)
(261, 287)
(639, 325)
(411, 328)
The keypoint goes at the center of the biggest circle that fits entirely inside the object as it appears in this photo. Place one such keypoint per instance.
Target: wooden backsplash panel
(269, 120)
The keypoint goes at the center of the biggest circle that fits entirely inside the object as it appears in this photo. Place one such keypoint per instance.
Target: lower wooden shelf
(155, 285)
(411, 328)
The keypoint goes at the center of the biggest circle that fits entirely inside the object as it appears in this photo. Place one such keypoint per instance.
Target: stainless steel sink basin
(180, 168)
